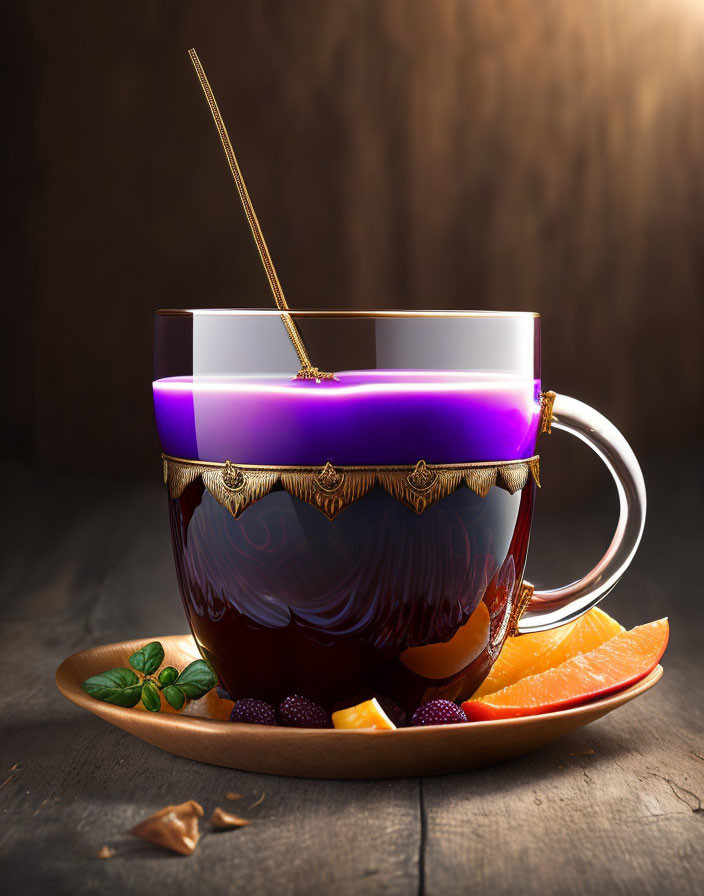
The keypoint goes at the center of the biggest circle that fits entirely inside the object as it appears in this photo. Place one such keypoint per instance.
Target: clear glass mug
(366, 535)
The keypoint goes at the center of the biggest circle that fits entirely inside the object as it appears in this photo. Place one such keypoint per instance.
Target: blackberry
(300, 712)
(251, 711)
(438, 712)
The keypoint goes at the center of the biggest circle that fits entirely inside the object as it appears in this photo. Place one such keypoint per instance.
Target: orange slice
(209, 706)
(529, 654)
(364, 715)
(445, 659)
(617, 663)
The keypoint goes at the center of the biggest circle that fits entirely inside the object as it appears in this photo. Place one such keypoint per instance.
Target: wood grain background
(407, 153)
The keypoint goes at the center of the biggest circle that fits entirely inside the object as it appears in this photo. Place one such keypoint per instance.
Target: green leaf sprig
(126, 687)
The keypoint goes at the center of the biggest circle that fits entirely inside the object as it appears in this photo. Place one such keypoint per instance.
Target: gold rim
(315, 468)
(382, 313)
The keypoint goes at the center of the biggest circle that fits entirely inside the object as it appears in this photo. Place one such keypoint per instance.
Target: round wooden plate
(202, 732)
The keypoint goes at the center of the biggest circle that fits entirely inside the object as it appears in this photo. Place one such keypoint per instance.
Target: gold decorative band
(547, 400)
(331, 488)
(524, 597)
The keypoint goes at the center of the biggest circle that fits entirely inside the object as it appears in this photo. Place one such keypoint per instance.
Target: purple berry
(253, 712)
(438, 712)
(397, 715)
(300, 712)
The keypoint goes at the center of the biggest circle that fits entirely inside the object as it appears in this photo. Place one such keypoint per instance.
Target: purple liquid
(361, 417)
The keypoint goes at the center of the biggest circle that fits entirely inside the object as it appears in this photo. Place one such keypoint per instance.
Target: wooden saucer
(202, 732)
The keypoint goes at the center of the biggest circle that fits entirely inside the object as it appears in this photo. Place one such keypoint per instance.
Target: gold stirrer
(307, 371)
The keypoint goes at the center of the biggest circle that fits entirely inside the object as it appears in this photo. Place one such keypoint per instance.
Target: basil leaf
(119, 686)
(148, 658)
(174, 696)
(151, 698)
(168, 676)
(197, 679)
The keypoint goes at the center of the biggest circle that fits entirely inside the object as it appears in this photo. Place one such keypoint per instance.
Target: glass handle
(548, 609)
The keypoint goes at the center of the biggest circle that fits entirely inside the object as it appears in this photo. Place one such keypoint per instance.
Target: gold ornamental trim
(547, 400)
(332, 488)
(524, 597)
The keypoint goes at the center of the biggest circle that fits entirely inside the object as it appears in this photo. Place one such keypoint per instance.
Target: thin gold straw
(307, 370)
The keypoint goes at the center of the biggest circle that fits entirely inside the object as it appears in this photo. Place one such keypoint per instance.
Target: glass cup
(366, 535)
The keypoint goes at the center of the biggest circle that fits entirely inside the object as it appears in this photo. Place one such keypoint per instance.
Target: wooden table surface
(615, 808)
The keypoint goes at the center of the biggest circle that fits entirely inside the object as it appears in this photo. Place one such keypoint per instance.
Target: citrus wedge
(445, 659)
(526, 655)
(615, 664)
(364, 715)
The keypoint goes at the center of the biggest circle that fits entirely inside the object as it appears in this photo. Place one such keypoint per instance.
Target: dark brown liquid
(284, 601)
